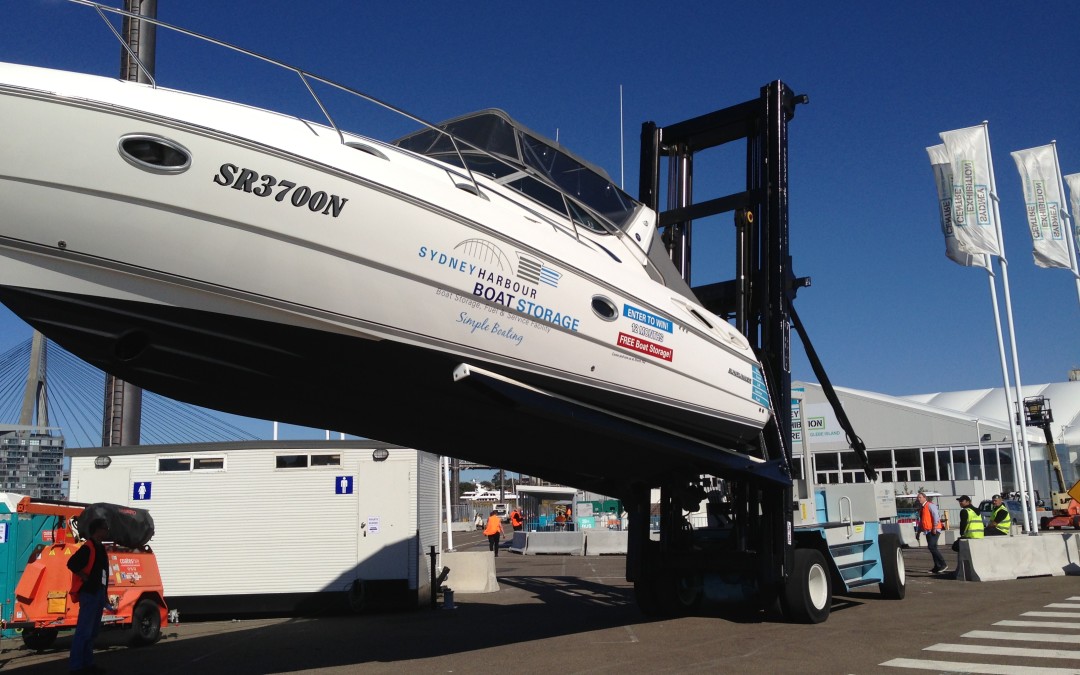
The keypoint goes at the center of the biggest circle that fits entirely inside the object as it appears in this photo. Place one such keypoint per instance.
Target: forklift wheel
(146, 623)
(807, 595)
(894, 580)
(39, 638)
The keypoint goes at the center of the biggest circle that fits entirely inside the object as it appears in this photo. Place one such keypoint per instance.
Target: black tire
(894, 573)
(645, 593)
(680, 594)
(807, 596)
(39, 638)
(145, 623)
(1044, 523)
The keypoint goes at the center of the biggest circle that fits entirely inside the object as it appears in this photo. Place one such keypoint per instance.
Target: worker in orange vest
(89, 585)
(493, 531)
(517, 521)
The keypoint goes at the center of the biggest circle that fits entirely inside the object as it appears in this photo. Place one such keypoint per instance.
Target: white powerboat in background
(473, 288)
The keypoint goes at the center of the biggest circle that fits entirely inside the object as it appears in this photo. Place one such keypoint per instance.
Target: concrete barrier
(605, 542)
(906, 532)
(565, 543)
(471, 572)
(519, 542)
(999, 558)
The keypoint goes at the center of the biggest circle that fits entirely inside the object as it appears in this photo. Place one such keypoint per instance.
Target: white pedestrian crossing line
(980, 668)
(1000, 645)
(998, 650)
(1040, 624)
(1063, 615)
(1024, 637)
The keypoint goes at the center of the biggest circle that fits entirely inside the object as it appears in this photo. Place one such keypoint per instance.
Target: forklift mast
(758, 300)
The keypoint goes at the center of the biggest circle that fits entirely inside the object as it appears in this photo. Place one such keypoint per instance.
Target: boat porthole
(154, 153)
(604, 308)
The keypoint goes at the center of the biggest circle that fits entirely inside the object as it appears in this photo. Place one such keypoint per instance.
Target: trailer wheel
(894, 574)
(146, 623)
(1044, 523)
(807, 596)
(39, 638)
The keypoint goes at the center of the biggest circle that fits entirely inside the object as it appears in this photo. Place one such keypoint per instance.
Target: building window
(306, 461)
(191, 463)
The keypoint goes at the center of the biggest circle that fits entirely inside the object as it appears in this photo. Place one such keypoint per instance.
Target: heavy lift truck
(757, 553)
(43, 602)
(1065, 504)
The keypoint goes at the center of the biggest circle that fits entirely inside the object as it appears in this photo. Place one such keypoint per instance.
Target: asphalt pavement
(569, 614)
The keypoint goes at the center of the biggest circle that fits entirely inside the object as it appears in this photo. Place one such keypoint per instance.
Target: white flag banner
(1044, 202)
(972, 213)
(942, 166)
(1073, 181)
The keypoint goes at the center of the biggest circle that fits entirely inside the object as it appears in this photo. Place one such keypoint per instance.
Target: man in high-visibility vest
(493, 531)
(971, 523)
(517, 521)
(929, 523)
(1000, 519)
(89, 584)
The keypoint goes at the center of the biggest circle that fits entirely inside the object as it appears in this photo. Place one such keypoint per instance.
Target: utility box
(288, 527)
(20, 535)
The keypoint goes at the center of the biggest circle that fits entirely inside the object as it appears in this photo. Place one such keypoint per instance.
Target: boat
(472, 288)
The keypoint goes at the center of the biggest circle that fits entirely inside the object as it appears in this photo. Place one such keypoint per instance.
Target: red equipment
(44, 604)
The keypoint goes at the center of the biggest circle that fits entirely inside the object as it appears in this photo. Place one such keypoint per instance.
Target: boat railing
(307, 78)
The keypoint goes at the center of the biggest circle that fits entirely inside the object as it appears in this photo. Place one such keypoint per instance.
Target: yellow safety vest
(1005, 526)
(974, 529)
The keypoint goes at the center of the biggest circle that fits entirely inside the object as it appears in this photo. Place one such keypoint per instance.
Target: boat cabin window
(498, 147)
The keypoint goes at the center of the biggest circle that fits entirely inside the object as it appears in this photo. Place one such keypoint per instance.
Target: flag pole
(1068, 217)
(1013, 419)
(1019, 476)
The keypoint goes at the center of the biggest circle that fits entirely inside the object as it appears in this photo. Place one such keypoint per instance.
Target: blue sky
(887, 311)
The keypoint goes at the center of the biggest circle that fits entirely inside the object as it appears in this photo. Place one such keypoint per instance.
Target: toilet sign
(140, 492)
(343, 485)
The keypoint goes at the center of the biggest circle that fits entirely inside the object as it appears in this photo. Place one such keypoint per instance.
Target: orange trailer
(44, 604)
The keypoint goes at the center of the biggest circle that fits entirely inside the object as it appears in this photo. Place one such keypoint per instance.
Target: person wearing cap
(1000, 524)
(971, 523)
(929, 523)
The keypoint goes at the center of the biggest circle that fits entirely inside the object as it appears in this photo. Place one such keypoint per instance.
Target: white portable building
(291, 527)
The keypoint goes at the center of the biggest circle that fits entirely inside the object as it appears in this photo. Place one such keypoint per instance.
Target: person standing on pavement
(971, 523)
(89, 583)
(493, 531)
(517, 521)
(1000, 519)
(929, 522)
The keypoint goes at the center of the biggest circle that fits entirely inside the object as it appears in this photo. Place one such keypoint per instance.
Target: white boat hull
(317, 255)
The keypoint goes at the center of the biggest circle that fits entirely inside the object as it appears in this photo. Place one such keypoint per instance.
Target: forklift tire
(39, 638)
(679, 594)
(145, 623)
(645, 595)
(807, 596)
(894, 574)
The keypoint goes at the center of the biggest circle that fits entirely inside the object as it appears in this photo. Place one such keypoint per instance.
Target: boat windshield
(500, 148)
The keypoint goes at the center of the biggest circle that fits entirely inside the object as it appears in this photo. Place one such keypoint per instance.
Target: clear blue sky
(887, 311)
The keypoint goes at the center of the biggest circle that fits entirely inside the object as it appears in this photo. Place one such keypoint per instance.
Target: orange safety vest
(76, 580)
(515, 519)
(494, 526)
(926, 519)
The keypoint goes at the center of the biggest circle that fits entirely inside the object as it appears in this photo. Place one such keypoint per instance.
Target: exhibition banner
(972, 186)
(941, 163)
(1044, 204)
